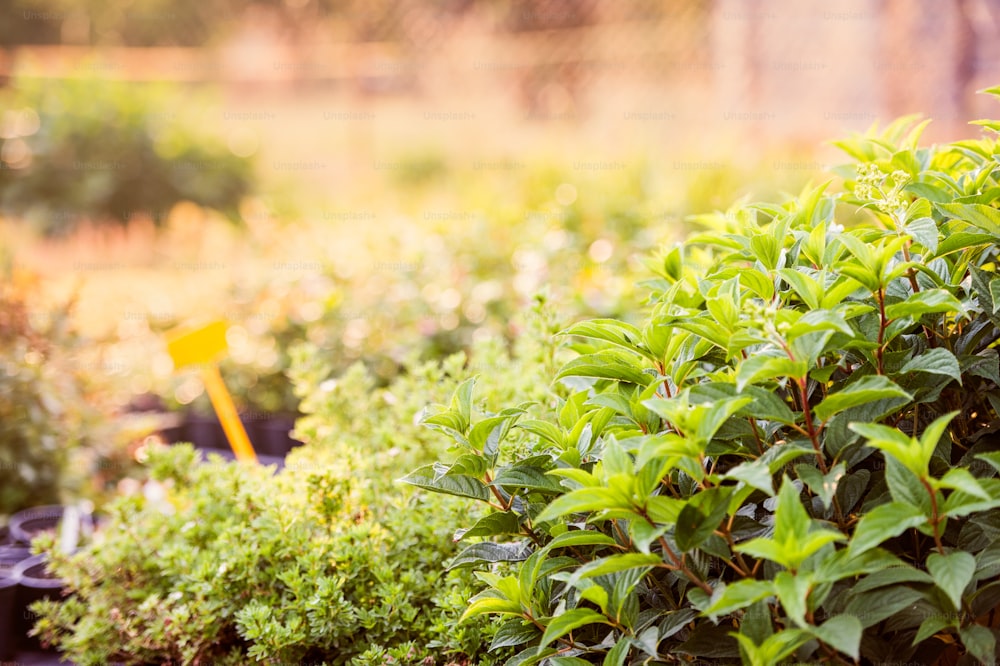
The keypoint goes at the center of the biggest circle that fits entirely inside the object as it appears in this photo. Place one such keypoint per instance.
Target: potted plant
(35, 582)
(10, 557)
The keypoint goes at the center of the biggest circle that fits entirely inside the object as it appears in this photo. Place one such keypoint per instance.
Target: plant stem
(935, 518)
(678, 564)
(882, 325)
(810, 428)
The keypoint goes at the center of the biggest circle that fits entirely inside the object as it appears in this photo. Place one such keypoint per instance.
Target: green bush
(223, 563)
(56, 439)
(108, 151)
(328, 561)
(789, 459)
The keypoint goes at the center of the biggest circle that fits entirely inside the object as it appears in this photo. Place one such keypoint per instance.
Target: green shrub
(789, 459)
(328, 561)
(104, 151)
(57, 441)
(222, 563)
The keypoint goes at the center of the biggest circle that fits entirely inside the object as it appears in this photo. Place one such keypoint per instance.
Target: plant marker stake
(203, 347)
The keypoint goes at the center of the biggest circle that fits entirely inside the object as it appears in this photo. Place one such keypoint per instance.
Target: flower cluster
(884, 190)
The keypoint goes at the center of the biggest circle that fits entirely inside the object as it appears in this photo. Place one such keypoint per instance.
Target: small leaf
(729, 598)
(843, 633)
(865, 390)
(980, 642)
(531, 478)
(928, 301)
(490, 552)
(937, 361)
(758, 368)
(700, 517)
(494, 524)
(792, 591)
(459, 485)
(616, 332)
(883, 523)
(561, 625)
(952, 573)
(924, 230)
(583, 500)
(514, 632)
(608, 364)
(986, 218)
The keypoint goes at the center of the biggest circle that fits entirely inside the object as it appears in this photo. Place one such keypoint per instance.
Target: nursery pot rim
(24, 571)
(42, 512)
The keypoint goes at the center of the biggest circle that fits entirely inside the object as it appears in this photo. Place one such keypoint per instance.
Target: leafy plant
(325, 561)
(791, 458)
(222, 563)
(59, 164)
(56, 431)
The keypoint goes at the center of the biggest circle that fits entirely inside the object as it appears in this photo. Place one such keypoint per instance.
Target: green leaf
(486, 603)
(729, 598)
(580, 538)
(986, 218)
(461, 401)
(501, 522)
(932, 625)
(561, 625)
(980, 642)
(462, 486)
(924, 302)
(531, 478)
(568, 661)
(758, 368)
(713, 418)
(842, 633)
(865, 390)
(583, 500)
(823, 486)
(819, 320)
(615, 563)
(924, 231)
(952, 573)
(704, 327)
(490, 552)
(617, 655)
(755, 474)
(607, 364)
(937, 361)
(883, 523)
(700, 517)
(547, 431)
(808, 289)
(514, 632)
(618, 333)
(792, 591)
(874, 606)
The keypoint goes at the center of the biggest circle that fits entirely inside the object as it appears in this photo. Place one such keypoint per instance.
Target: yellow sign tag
(197, 346)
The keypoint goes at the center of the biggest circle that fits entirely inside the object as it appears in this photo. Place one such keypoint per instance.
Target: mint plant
(791, 458)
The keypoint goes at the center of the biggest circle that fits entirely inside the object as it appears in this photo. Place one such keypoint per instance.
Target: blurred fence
(798, 68)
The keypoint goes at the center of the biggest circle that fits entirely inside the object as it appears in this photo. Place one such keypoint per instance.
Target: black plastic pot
(10, 557)
(272, 436)
(26, 525)
(34, 584)
(204, 431)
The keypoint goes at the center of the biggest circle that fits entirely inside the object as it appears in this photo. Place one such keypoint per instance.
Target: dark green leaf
(459, 485)
(865, 390)
(952, 573)
(514, 632)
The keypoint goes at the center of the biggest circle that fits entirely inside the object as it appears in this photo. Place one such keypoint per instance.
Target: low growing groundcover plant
(791, 459)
